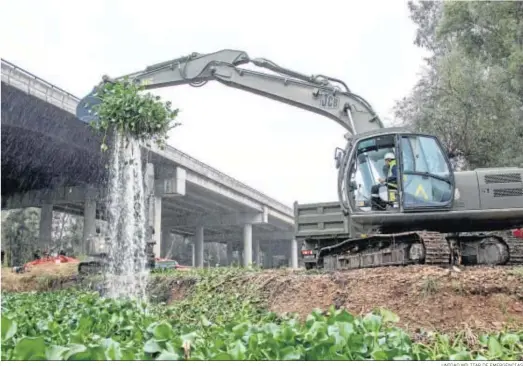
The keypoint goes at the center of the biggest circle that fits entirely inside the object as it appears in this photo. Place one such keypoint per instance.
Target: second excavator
(430, 215)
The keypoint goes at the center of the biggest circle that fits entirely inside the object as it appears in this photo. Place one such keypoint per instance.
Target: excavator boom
(318, 94)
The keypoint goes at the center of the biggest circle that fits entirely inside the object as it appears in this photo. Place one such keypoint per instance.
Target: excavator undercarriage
(423, 247)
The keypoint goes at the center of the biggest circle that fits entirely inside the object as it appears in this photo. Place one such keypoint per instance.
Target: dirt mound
(428, 298)
(423, 297)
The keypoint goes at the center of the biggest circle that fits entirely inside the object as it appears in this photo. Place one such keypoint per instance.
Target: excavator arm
(319, 94)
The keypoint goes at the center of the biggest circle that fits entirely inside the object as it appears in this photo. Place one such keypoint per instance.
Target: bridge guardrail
(33, 85)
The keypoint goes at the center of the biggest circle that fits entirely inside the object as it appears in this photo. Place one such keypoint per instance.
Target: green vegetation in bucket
(130, 112)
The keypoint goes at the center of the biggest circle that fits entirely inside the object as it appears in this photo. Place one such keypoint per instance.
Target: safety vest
(391, 165)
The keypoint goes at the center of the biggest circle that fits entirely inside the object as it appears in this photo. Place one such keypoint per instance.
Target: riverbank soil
(479, 299)
(38, 278)
(423, 297)
(428, 298)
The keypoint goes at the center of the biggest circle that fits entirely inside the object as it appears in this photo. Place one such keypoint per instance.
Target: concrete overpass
(52, 160)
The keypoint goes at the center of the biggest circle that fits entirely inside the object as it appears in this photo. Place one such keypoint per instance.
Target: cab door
(427, 179)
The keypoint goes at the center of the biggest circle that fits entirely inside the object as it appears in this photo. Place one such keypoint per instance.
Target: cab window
(427, 176)
(368, 166)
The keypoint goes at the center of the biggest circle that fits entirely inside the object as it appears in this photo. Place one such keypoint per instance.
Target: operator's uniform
(391, 181)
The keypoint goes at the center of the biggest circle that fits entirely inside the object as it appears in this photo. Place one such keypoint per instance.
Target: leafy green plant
(221, 318)
(123, 108)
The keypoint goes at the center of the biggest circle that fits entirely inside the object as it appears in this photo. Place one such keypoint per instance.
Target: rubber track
(515, 246)
(437, 249)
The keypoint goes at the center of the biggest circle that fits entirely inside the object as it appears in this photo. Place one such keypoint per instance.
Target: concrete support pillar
(268, 260)
(230, 257)
(261, 259)
(247, 245)
(199, 247)
(149, 192)
(166, 243)
(268, 256)
(193, 248)
(256, 252)
(157, 225)
(89, 225)
(46, 226)
(294, 254)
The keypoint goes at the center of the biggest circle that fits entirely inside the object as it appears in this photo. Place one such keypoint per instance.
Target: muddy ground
(428, 298)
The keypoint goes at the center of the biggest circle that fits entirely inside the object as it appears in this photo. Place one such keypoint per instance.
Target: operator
(390, 170)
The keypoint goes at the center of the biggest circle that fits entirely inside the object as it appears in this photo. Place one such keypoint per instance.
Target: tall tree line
(470, 92)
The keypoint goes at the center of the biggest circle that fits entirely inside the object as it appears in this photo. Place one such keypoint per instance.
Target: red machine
(52, 259)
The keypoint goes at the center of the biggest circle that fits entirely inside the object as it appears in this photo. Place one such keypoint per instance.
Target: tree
(426, 15)
(60, 226)
(464, 97)
(67, 233)
(489, 31)
(181, 250)
(20, 234)
(492, 33)
(76, 236)
(20, 230)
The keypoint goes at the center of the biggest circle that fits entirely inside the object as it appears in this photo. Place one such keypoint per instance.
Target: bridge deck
(45, 145)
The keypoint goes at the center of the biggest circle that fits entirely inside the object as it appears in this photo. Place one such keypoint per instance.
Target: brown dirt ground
(38, 278)
(423, 297)
(429, 298)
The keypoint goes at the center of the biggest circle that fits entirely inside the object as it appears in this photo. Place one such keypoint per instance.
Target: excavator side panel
(466, 196)
(500, 188)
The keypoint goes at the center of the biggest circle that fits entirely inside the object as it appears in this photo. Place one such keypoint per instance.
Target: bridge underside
(45, 147)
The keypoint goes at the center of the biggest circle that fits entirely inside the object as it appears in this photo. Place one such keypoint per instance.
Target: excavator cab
(424, 178)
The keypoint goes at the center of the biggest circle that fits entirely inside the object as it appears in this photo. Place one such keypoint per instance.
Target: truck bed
(320, 220)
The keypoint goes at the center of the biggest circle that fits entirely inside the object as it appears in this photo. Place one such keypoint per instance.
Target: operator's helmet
(389, 156)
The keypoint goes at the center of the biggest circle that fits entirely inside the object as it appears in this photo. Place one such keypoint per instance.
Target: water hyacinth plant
(223, 315)
(124, 108)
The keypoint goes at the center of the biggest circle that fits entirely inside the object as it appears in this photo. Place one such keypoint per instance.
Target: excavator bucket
(84, 108)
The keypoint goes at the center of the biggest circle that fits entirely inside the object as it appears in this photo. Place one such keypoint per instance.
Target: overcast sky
(280, 150)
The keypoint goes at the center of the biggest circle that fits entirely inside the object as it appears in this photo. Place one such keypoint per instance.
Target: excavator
(432, 215)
